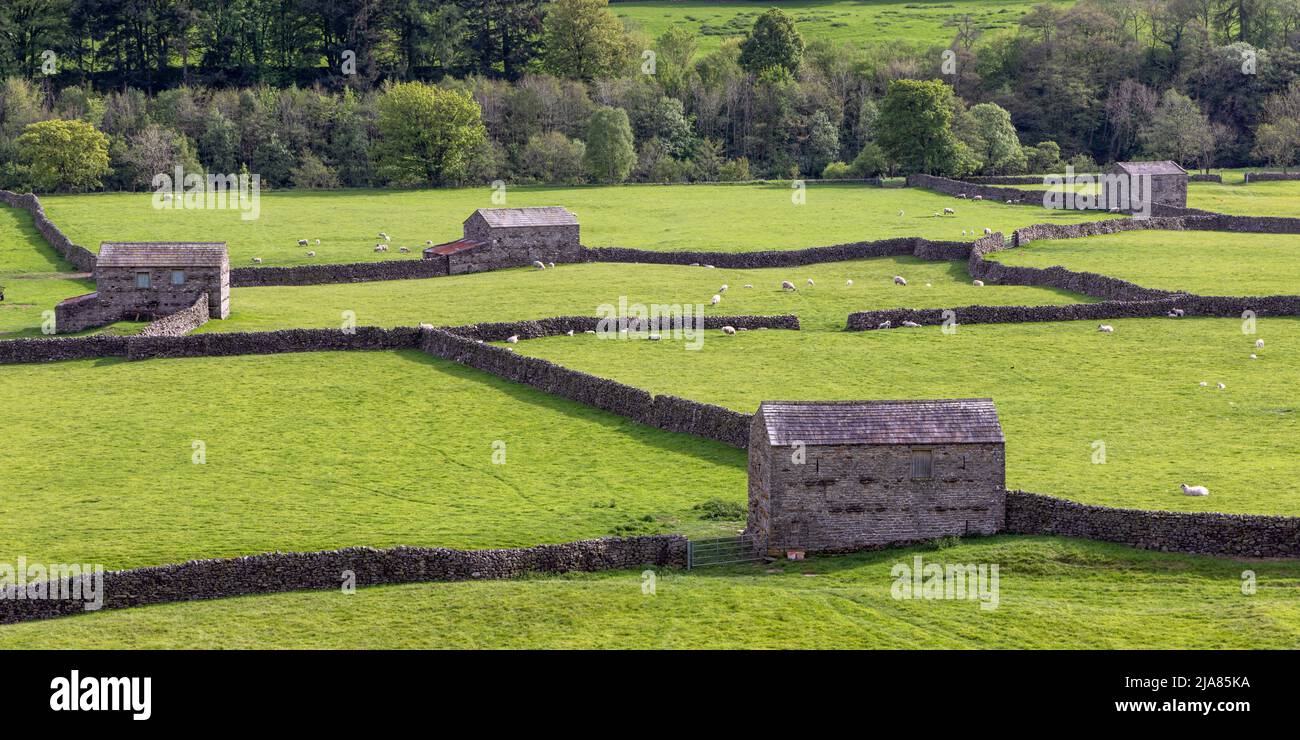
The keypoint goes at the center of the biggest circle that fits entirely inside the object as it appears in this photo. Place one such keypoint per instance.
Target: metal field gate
(720, 551)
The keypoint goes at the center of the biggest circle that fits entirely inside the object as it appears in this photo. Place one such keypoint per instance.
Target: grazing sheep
(1105, 328)
(963, 232)
(949, 211)
(590, 331)
(910, 324)
(715, 300)
(1204, 384)
(539, 265)
(379, 247)
(404, 250)
(428, 242)
(1259, 344)
(1194, 490)
(569, 332)
(899, 280)
(302, 242)
(1222, 387)
(849, 282)
(257, 260)
(900, 212)
(513, 339)
(961, 195)
(729, 330)
(928, 285)
(708, 267)
(810, 282)
(977, 283)
(1254, 357)
(550, 264)
(695, 264)
(723, 289)
(384, 236)
(885, 325)
(987, 231)
(978, 197)
(318, 242)
(653, 337)
(1172, 315)
(311, 254)
(1114, 210)
(749, 285)
(787, 285)
(1180, 312)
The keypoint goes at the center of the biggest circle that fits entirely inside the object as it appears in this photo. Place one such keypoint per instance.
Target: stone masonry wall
(180, 323)
(1267, 176)
(917, 246)
(280, 572)
(555, 326)
(1238, 535)
(80, 257)
(949, 186)
(356, 272)
(271, 342)
(24, 351)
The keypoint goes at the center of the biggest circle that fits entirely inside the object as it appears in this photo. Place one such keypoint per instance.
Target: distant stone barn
(511, 237)
(1168, 180)
(841, 476)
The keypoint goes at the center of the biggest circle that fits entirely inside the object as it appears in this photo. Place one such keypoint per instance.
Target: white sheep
(1194, 490)
(977, 283)
(715, 300)
(978, 197)
(379, 248)
(961, 195)
(729, 330)
(513, 339)
(911, 324)
(550, 264)
(653, 337)
(569, 333)
(708, 267)
(810, 282)
(404, 250)
(949, 211)
(723, 289)
(311, 254)
(1222, 387)
(749, 285)
(1254, 356)
(787, 285)
(1105, 328)
(963, 232)
(428, 242)
(539, 265)
(1204, 384)
(590, 331)
(384, 236)
(302, 242)
(257, 260)
(1259, 344)
(885, 325)
(900, 212)
(899, 280)
(849, 282)
(318, 242)
(1172, 314)
(987, 231)
(928, 285)
(1180, 312)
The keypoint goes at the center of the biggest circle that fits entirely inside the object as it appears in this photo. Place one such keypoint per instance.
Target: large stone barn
(149, 280)
(838, 476)
(510, 237)
(1168, 180)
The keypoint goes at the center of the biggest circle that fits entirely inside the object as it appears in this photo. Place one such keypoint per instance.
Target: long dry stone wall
(355, 272)
(23, 351)
(1239, 535)
(555, 326)
(180, 323)
(280, 572)
(949, 186)
(1267, 176)
(924, 248)
(80, 257)
(272, 342)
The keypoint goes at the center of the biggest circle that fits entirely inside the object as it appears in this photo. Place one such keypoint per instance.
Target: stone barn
(510, 237)
(851, 475)
(1168, 180)
(149, 280)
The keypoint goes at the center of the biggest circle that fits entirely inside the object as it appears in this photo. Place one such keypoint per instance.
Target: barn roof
(1165, 167)
(538, 216)
(460, 245)
(162, 254)
(943, 421)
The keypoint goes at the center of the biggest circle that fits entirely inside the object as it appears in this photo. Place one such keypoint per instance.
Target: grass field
(1203, 262)
(1059, 387)
(859, 21)
(1052, 593)
(730, 218)
(325, 450)
(1280, 198)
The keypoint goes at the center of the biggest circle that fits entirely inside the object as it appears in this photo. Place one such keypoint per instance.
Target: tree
(1277, 141)
(674, 49)
(426, 134)
(986, 128)
(158, 150)
(552, 157)
(772, 42)
(823, 144)
(1179, 130)
(913, 128)
(63, 155)
(610, 154)
(583, 40)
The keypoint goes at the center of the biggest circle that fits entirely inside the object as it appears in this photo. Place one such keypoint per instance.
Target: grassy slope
(922, 23)
(696, 217)
(1052, 593)
(578, 290)
(1058, 387)
(324, 450)
(1280, 198)
(1204, 262)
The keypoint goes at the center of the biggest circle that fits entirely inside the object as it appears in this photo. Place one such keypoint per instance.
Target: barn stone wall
(117, 293)
(81, 258)
(180, 323)
(280, 572)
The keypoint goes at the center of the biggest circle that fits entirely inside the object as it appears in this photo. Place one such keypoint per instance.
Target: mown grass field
(1059, 388)
(858, 21)
(1203, 262)
(1053, 593)
(325, 450)
(733, 218)
(1279, 198)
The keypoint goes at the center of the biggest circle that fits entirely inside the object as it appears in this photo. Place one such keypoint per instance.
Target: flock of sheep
(382, 246)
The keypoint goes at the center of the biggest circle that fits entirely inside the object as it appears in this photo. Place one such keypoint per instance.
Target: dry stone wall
(356, 272)
(80, 257)
(24, 351)
(271, 342)
(970, 190)
(1267, 176)
(555, 326)
(180, 323)
(280, 572)
(908, 245)
(1239, 535)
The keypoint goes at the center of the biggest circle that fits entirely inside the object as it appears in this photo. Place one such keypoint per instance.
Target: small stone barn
(1168, 180)
(149, 280)
(510, 237)
(851, 475)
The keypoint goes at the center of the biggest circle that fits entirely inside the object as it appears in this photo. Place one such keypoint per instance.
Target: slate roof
(538, 216)
(942, 421)
(162, 254)
(460, 245)
(1165, 167)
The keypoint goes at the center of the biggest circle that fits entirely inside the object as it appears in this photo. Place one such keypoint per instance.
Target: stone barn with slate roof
(511, 237)
(1168, 180)
(149, 280)
(829, 476)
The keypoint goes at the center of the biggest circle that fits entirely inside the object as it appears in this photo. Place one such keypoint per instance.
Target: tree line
(454, 93)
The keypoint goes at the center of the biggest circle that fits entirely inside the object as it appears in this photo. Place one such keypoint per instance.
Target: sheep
(749, 285)
(318, 242)
(810, 282)
(1105, 328)
(1222, 387)
(257, 260)
(708, 267)
(1254, 357)
(550, 264)
(513, 339)
(653, 337)
(899, 280)
(978, 197)
(977, 283)
(949, 211)
(404, 250)
(1204, 384)
(1194, 490)
(538, 264)
(911, 324)
(987, 231)
(723, 289)
(428, 242)
(569, 333)
(1259, 344)
(900, 213)
(384, 236)
(1180, 312)
(311, 254)
(729, 330)
(590, 331)
(379, 248)
(849, 283)
(302, 242)
(885, 325)
(961, 195)
(1172, 315)
(928, 285)
(963, 232)
(715, 300)
(787, 285)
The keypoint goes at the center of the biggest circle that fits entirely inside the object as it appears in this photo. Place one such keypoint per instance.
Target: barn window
(178, 277)
(142, 280)
(922, 464)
